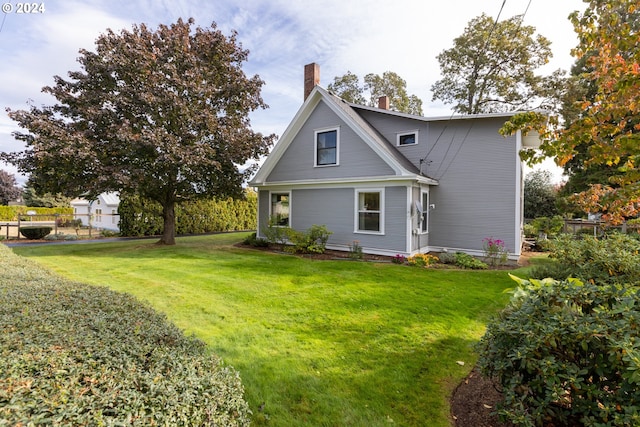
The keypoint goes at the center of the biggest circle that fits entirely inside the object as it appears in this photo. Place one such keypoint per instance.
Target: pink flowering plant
(495, 251)
(399, 259)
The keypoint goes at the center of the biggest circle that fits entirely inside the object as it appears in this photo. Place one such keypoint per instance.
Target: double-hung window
(327, 144)
(369, 211)
(279, 209)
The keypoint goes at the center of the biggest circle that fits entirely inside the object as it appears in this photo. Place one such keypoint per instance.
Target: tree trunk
(169, 216)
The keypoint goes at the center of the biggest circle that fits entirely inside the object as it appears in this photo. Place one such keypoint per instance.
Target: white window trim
(271, 206)
(357, 210)
(410, 132)
(315, 146)
(425, 209)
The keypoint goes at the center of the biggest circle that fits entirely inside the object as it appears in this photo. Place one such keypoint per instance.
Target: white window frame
(271, 214)
(356, 225)
(315, 146)
(424, 226)
(410, 132)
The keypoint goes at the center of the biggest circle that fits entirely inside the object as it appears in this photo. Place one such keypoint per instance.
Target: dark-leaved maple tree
(606, 128)
(162, 114)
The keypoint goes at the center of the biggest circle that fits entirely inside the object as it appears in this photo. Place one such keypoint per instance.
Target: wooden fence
(78, 225)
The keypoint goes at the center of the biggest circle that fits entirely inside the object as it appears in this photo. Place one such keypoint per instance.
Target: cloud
(362, 36)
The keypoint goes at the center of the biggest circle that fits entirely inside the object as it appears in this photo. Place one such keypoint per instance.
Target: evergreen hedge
(72, 354)
(140, 217)
(12, 213)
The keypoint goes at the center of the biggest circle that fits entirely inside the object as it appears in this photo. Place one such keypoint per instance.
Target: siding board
(357, 159)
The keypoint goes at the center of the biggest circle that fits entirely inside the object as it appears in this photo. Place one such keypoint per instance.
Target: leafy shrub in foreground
(72, 354)
(35, 232)
(566, 353)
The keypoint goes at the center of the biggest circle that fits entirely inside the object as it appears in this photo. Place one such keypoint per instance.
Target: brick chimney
(311, 78)
(383, 102)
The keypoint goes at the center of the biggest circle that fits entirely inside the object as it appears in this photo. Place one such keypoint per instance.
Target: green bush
(254, 240)
(553, 270)
(447, 257)
(35, 232)
(548, 226)
(612, 259)
(566, 353)
(72, 354)
(464, 260)
(313, 240)
(276, 234)
(529, 230)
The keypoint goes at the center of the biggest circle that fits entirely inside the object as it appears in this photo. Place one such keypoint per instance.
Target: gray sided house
(395, 183)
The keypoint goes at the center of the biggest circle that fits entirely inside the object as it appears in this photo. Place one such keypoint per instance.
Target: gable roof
(108, 198)
(347, 112)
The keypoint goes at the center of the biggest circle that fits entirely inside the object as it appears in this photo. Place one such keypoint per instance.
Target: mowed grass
(317, 343)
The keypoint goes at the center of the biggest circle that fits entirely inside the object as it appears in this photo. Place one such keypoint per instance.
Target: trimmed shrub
(72, 354)
(143, 217)
(566, 353)
(35, 232)
(11, 213)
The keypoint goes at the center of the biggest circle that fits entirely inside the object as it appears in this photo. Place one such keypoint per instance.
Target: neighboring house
(394, 182)
(101, 212)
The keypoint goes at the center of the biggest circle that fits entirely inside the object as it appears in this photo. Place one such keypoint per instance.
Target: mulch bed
(474, 401)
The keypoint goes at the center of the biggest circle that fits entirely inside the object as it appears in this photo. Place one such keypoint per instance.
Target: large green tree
(604, 133)
(389, 84)
(539, 195)
(47, 200)
(9, 190)
(162, 114)
(492, 68)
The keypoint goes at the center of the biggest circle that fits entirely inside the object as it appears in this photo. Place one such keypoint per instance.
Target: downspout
(519, 208)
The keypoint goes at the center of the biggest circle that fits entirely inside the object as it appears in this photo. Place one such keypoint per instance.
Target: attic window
(407, 138)
(327, 142)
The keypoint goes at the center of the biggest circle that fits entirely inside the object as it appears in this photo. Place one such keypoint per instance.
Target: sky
(360, 36)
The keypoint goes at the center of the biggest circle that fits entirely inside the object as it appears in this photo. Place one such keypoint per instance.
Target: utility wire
(471, 126)
(484, 48)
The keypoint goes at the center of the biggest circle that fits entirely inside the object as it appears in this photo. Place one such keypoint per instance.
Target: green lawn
(317, 343)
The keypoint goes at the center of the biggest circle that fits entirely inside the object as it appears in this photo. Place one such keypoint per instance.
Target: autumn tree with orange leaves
(608, 124)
